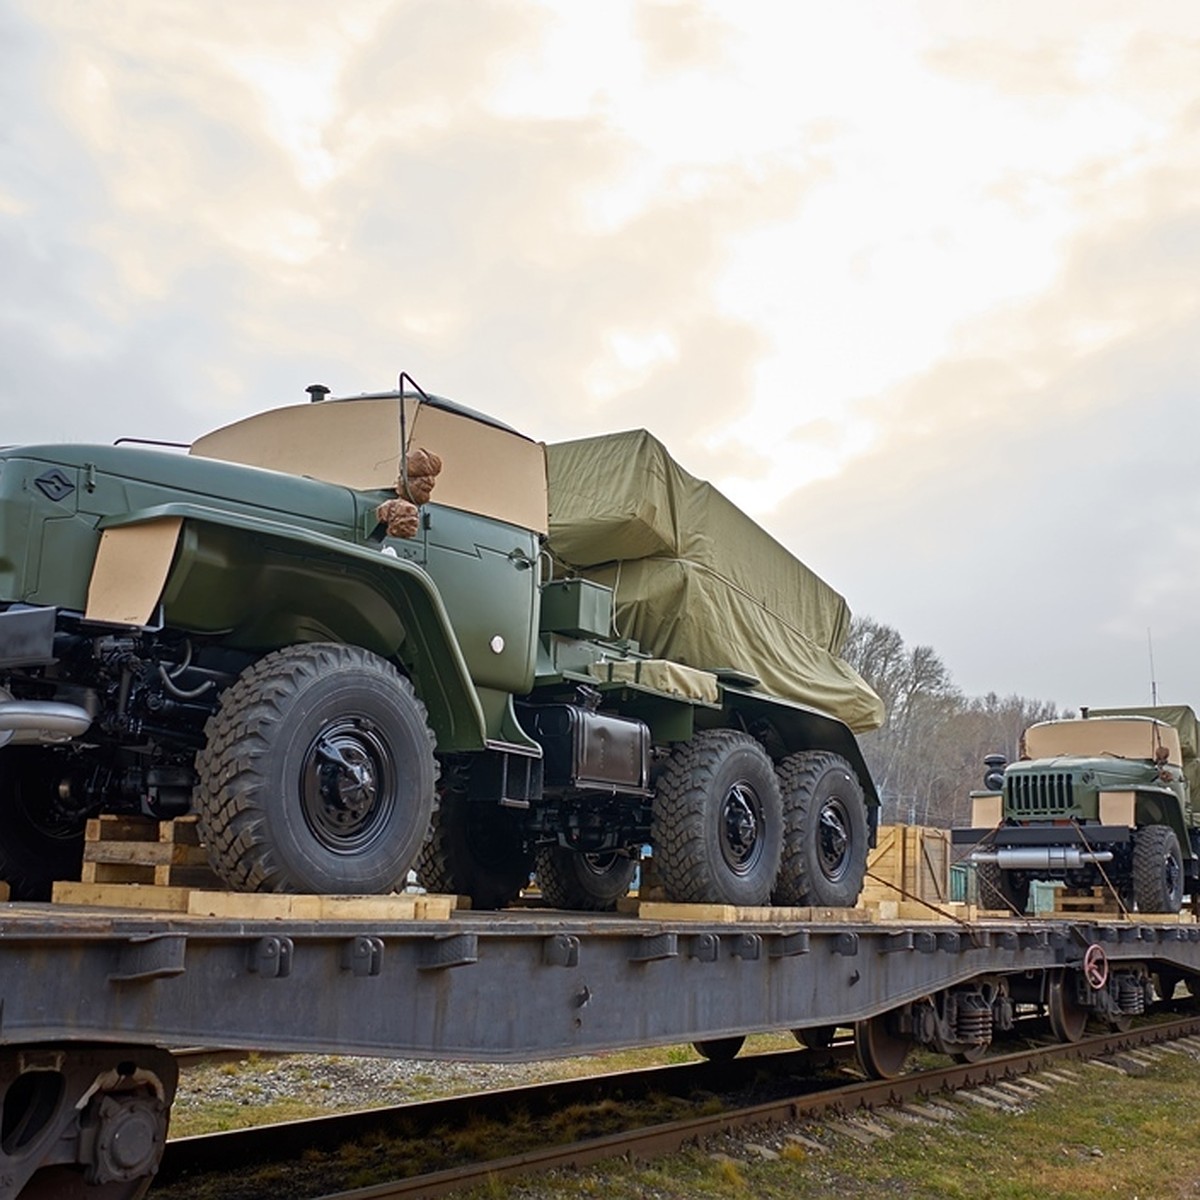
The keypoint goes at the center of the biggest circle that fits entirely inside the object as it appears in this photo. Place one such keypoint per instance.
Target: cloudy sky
(916, 282)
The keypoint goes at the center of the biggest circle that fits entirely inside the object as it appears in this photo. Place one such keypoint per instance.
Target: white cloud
(912, 279)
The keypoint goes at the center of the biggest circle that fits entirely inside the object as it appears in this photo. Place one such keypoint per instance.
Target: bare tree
(929, 753)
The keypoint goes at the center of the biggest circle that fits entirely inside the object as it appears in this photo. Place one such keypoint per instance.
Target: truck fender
(295, 585)
(803, 728)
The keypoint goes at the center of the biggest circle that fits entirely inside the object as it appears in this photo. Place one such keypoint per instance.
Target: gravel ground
(340, 1082)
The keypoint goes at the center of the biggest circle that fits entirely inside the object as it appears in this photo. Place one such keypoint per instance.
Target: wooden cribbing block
(146, 897)
(277, 906)
(134, 849)
(1098, 900)
(732, 914)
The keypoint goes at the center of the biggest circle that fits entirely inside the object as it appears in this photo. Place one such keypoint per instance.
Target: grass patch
(1105, 1135)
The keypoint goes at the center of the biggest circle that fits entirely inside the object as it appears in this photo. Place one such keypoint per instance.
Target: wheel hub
(346, 785)
(833, 840)
(741, 842)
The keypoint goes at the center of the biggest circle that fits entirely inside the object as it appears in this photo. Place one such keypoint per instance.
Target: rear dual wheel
(718, 821)
(824, 857)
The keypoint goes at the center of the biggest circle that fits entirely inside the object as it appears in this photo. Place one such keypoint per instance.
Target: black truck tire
(717, 825)
(475, 849)
(825, 831)
(1002, 890)
(318, 774)
(587, 882)
(36, 848)
(1157, 870)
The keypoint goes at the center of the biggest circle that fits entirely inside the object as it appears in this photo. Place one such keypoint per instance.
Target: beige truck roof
(1115, 737)
(486, 468)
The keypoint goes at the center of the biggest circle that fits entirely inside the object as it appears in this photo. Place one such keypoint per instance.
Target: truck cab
(1104, 800)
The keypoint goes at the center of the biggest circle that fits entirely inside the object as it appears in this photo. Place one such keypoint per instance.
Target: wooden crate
(909, 863)
(1092, 900)
(122, 849)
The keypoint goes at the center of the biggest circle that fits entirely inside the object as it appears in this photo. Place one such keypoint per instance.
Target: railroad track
(786, 1087)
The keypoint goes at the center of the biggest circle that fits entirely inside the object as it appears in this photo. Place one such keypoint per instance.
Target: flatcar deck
(90, 998)
(513, 985)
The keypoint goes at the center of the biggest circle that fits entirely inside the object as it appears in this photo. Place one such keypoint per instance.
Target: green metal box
(577, 608)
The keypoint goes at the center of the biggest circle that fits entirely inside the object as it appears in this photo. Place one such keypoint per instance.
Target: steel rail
(261, 1144)
(667, 1138)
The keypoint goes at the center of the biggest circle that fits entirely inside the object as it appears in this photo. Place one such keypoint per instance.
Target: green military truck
(1102, 800)
(357, 637)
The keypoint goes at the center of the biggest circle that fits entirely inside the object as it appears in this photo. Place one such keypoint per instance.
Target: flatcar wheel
(971, 1053)
(1165, 984)
(719, 1049)
(816, 1037)
(881, 1051)
(1067, 1018)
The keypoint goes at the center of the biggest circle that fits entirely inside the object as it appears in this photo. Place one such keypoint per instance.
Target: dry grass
(1105, 1135)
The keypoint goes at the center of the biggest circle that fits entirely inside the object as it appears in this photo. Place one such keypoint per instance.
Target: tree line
(928, 756)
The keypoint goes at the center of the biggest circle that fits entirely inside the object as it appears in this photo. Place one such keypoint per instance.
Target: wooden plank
(188, 876)
(122, 895)
(94, 872)
(271, 906)
(183, 831)
(146, 854)
(113, 828)
(732, 914)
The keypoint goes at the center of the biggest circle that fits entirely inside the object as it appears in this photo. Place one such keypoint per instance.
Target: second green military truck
(1104, 800)
(363, 636)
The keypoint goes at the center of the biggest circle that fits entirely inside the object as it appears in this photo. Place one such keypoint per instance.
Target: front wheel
(587, 882)
(825, 831)
(318, 774)
(718, 821)
(1002, 889)
(1157, 870)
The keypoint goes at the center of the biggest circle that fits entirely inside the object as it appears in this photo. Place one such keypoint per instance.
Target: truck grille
(1049, 795)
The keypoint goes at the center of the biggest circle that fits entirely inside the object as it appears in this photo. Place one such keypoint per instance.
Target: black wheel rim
(600, 865)
(1173, 877)
(348, 785)
(835, 842)
(741, 828)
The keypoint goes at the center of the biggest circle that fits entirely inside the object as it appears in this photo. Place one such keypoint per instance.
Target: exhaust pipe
(1040, 858)
(41, 721)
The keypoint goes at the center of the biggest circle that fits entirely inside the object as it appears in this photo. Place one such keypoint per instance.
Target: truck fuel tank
(588, 749)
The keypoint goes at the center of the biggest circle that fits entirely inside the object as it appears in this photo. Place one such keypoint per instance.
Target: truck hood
(1095, 773)
(107, 479)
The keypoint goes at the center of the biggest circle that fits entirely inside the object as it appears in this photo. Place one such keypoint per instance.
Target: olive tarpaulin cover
(696, 580)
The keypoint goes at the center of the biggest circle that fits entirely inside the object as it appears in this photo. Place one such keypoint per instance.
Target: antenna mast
(1153, 680)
